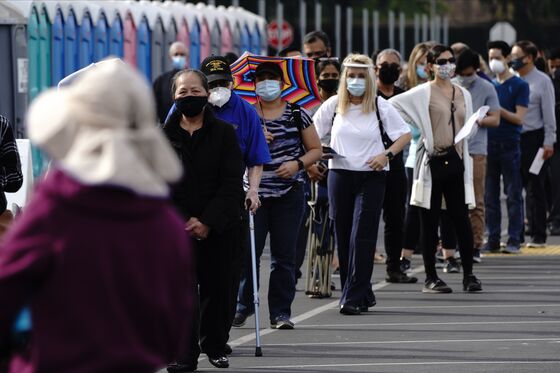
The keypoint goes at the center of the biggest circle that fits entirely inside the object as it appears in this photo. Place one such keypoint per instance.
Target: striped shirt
(11, 177)
(286, 146)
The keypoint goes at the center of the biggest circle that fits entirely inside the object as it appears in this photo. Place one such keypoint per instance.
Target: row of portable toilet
(64, 36)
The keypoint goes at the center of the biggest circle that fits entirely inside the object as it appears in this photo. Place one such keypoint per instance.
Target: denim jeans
(281, 217)
(356, 200)
(504, 159)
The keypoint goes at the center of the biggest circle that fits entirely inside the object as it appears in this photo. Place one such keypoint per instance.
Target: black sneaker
(283, 323)
(451, 265)
(491, 247)
(536, 243)
(406, 265)
(400, 278)
(436, 287)
(239, 319)
(471, 284)
(180, 367)
(477, 256)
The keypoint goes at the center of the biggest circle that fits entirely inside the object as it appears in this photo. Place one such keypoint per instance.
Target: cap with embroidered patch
(216, 68)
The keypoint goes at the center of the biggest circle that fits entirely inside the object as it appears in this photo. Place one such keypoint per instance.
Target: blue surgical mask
(179, 62)
(268, 90)
(421, 71)
(356, 86)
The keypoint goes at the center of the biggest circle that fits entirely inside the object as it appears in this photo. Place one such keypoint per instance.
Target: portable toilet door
(235, 37)
(184, 35)
(227, 37)
(71, 44)
(195, 44)
(216, 38)
(57, 34)
(158, 48)
(255, 39)
(33, 54)
(116, 37)
(85, 56)
(129, 40)
(143, 48)
(205, 40)
(171, 36)
(45, 48)
(245, 38)
(101, 38)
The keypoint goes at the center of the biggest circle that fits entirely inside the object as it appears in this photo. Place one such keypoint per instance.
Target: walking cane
(258, 350)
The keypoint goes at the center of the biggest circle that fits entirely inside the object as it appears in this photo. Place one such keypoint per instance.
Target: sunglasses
(444, 61)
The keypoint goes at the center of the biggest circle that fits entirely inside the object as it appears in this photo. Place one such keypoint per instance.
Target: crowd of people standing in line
(393, 127)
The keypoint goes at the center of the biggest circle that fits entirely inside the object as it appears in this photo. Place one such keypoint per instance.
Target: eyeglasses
(444, 61)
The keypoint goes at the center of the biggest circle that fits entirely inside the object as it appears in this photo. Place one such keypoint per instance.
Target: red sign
(287, 35)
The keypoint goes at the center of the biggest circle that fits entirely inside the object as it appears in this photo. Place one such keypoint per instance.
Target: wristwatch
(390, 156)
(300, 164)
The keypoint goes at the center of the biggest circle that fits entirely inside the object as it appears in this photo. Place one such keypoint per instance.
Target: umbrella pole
(258, 350)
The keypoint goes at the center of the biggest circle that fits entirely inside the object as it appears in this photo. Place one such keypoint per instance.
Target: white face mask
(219, 96)
(497, 66)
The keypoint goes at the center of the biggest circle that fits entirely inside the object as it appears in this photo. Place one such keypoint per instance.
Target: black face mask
(191, 106)
(328, 85)
(388, 74)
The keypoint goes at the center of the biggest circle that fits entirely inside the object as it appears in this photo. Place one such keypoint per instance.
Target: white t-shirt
(355, 135)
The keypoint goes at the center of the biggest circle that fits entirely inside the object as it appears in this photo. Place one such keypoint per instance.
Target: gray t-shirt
(482, 93)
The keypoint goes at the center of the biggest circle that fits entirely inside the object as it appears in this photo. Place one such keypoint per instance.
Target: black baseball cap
(271, 68)
(216, 68)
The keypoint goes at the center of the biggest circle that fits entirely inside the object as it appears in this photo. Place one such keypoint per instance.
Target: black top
(211, 188)
(162, 94)
(11, 177)
(396, 91)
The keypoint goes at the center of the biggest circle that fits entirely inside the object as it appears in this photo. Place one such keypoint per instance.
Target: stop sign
(287, 35)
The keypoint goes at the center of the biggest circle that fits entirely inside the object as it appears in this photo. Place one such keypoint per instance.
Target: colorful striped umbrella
(300, 86)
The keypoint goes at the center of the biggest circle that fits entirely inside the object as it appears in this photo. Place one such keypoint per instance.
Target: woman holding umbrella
(293, 145)
(356, 182)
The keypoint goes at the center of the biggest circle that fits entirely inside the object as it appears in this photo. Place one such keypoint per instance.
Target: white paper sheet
(538, 162)
(470, 127)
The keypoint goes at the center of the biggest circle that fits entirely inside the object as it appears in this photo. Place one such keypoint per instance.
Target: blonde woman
(356, 181)
(417, 71)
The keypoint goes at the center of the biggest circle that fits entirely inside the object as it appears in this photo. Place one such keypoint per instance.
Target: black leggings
(452, 188)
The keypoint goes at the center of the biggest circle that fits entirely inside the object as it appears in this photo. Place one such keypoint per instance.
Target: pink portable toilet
(129, 30)
(210, 15)
(227, 34)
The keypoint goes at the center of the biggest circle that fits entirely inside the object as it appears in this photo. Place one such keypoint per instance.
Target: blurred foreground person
(210, 198)
(99, 254)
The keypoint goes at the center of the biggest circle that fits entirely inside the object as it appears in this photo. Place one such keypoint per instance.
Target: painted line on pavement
(493, 340)
(390, 364)
(457, 323)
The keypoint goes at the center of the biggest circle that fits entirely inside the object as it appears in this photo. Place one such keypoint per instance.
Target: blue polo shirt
(247, 123)
(511, 93)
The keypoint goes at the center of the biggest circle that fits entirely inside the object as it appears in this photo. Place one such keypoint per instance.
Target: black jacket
(163, 95)
(212, 185)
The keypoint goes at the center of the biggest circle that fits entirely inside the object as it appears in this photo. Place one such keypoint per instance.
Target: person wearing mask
(316, 44)
(210, 199)
(482, 94)
(554, 162)
(327, 73)
(179, 54)
(294, 145)
(229, 107)
(99, 254)
(504, 152)
(11, 178)
(416, 74)
(387, 69)
(443, 168)
(538, 131)
(356, 183)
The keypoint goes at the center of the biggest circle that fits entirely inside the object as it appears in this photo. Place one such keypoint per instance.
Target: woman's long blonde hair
(417, 53)
(368, 103)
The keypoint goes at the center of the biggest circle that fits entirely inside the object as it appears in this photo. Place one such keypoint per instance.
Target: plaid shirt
(11, 177)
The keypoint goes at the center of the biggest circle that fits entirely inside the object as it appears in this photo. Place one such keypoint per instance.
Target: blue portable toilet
(86, 41)
(143, 48)
(101, 37)
(245, 37)
(116, 36)
(194, 33)
(57, 45)
(156, 18)
(254, 32)
(71, 43)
